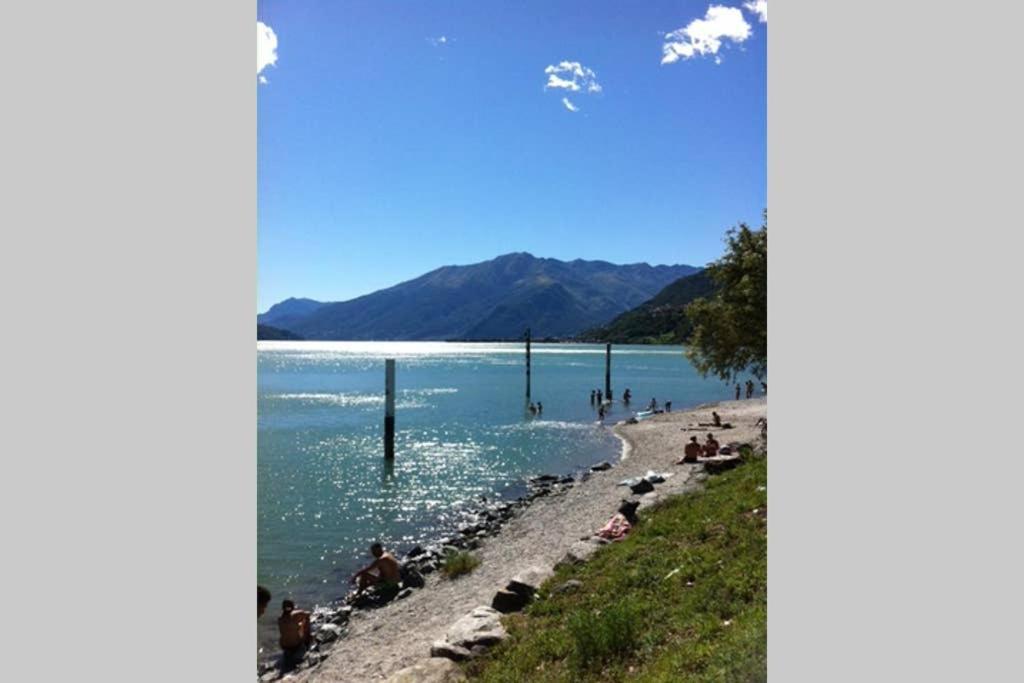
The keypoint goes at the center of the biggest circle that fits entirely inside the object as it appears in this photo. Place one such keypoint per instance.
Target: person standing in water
(626, 395)
(737, 392)
(600, 397)
(593, 396)
(750, 388)
(540, 407)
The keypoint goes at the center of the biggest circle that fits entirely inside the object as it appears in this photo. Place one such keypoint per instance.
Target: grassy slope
(628, 622)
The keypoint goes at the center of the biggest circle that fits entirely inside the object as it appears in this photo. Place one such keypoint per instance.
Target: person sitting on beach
(384, 571)
(691, 452)
(716, 418)
(296, 633)
(262, 600)
(710, 447)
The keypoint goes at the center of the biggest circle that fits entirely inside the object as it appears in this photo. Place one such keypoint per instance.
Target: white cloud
(571, 76)
(266, 48)
(704, 36)
(439, 41)
(263, 79)
(760, 8)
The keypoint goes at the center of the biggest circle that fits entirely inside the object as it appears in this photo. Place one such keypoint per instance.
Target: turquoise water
(324, 492)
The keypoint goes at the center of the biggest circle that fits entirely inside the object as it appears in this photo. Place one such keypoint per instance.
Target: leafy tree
(730, 328)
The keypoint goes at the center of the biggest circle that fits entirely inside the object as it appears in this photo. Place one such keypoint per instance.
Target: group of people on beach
(694, 449)
(384, 574)
(750, 389)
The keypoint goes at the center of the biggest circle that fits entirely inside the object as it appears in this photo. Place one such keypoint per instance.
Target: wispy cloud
(266, 49)
(760, 8)
(705, 36)
(571, 76)
(439, 41)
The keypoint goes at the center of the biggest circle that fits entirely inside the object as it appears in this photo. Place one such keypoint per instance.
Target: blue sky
(385, 151)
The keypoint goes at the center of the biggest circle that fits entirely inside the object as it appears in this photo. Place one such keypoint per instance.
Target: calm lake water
(324, 492)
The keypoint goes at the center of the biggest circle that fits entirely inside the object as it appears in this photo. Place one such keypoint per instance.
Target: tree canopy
(730, 328)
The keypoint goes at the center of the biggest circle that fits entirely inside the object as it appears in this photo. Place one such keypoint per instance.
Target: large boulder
(482, 626)
(528, 581)
(433, 670)
(506, 601)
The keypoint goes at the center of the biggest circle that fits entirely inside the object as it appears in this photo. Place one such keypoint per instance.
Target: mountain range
(662, 319)
(496, 299)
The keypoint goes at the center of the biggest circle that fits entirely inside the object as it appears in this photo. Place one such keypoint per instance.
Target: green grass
(683, 598)
(457, 564)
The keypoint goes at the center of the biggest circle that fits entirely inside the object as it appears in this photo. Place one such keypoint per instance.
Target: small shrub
(611, 634)
(457, 564)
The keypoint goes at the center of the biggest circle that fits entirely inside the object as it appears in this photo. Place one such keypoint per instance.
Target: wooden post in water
(389, 409)
(527, 365)
(608, 371)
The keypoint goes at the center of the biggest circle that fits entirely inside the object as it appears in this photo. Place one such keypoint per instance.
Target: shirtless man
(716, 419)
(296, 633)
(710, 447)
(384, 570)
(692, 451)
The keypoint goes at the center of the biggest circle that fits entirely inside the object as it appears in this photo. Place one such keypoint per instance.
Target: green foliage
(682, 599)
(459, 563)
(730, 329)
(660, 320)
(604, 636)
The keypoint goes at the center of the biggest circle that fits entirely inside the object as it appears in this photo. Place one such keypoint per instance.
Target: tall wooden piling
(608, 371)
(527, 364)
(389, 409)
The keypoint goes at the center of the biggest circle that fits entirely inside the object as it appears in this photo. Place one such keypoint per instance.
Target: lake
(325, 492)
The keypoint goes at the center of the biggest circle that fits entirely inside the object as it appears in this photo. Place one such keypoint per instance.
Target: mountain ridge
(491, 299)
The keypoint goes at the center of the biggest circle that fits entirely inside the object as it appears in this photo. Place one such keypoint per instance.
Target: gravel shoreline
(381, 641)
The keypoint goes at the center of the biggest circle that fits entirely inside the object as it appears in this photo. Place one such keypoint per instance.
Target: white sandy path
(383, 641)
